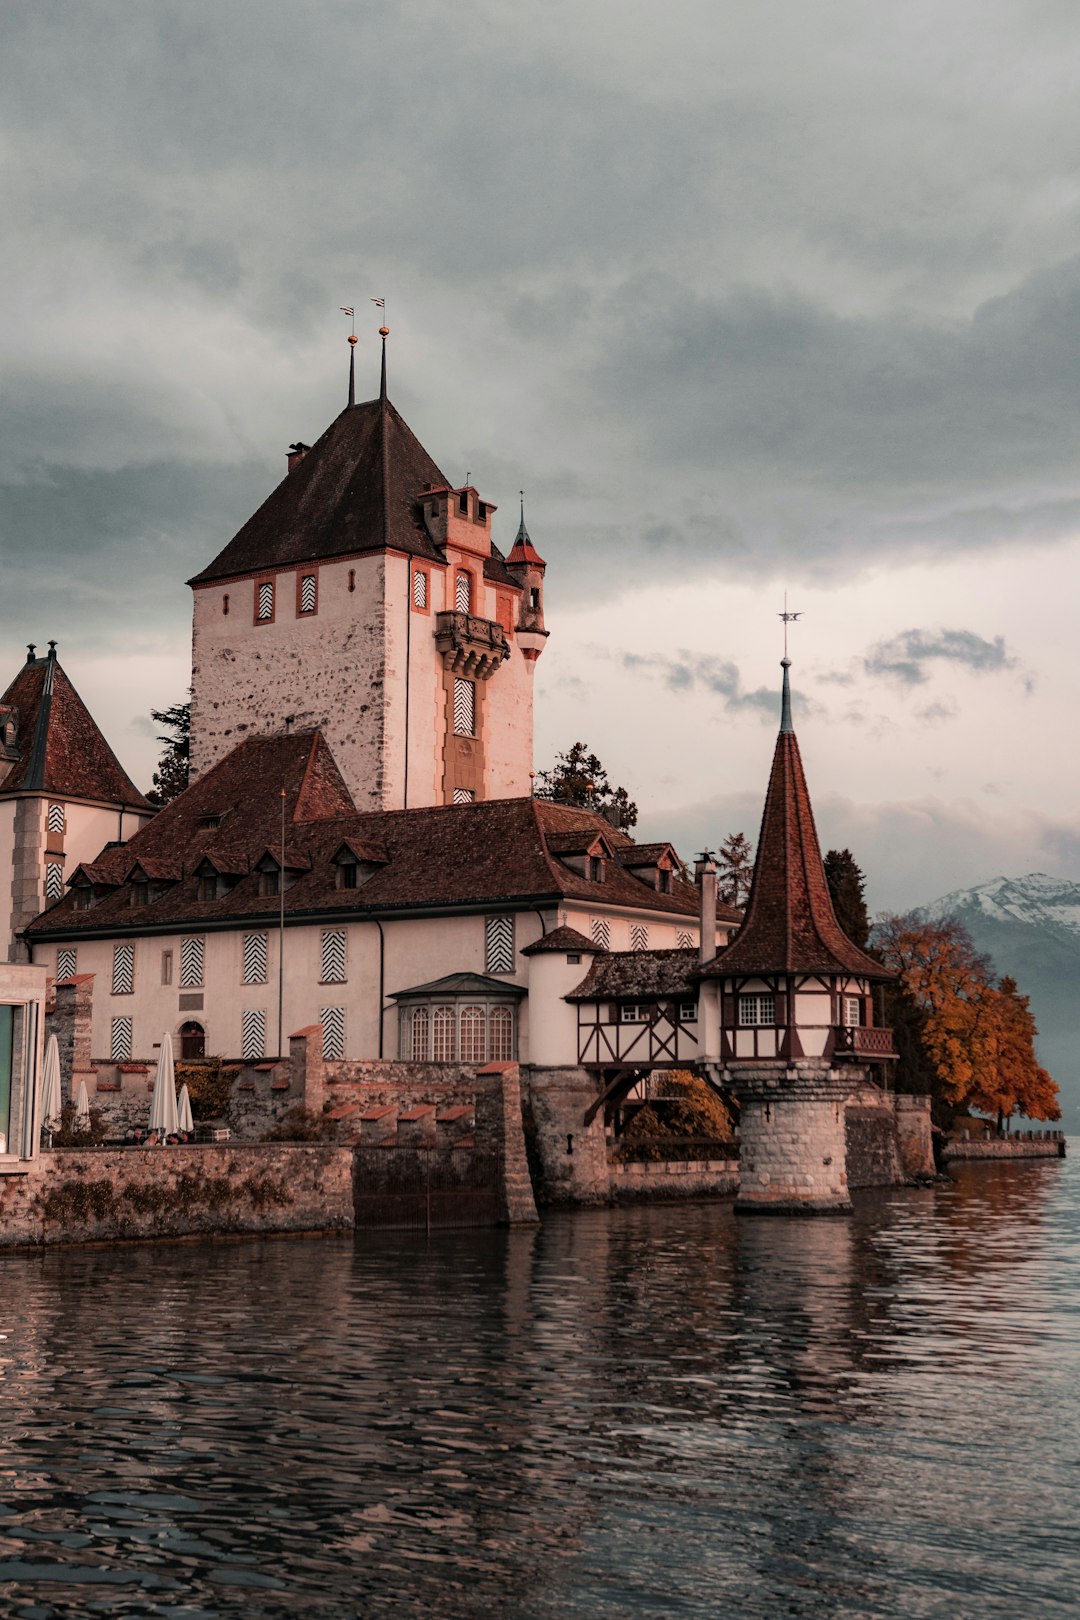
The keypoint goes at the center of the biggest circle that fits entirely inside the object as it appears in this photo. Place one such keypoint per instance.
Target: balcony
(470, 646)
(863, 1043)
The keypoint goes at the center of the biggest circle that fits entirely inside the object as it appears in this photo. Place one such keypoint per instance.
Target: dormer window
(269, 881)
(210, 821)
(82, 898)
(346, 874)
(140, 894)
(596, 868)
(663, 880)
(208, 886)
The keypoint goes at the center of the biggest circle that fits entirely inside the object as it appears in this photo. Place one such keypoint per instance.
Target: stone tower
(367, 597)
(789, 1009)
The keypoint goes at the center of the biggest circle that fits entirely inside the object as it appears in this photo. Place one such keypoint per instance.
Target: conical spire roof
(523, 550)
(790, 925)
(61, 749)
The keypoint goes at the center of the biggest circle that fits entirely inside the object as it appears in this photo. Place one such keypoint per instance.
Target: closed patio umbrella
(82, 1107)
(163, 1113)
(183, 1110)
(51, 1101)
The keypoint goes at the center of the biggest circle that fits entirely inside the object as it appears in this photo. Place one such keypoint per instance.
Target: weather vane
(788, 618)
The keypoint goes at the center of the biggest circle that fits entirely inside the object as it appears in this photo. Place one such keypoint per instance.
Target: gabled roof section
(790, 925)
(60, 748)
(461, 984)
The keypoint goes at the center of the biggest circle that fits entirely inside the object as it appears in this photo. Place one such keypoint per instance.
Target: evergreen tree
(171, 776)
(847, 888)
(578, 778)
(735, 867)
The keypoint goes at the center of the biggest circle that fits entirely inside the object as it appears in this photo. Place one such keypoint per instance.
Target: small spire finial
(52, 649)
(384, 333)
(785, 664)
(347, 309)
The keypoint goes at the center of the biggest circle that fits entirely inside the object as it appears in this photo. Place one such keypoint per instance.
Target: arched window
(463, 591)
(501, 1035)
(472, 1035)
(420, 1046)
(443, 1043)
(192, 1041)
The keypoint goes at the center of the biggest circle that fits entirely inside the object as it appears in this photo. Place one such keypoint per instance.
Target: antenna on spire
(384, 333)
(785, 664)
(346, 309)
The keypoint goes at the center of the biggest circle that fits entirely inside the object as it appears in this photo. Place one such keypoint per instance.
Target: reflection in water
(655, 1411)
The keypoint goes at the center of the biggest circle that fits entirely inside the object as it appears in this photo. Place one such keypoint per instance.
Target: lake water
(660, 1411)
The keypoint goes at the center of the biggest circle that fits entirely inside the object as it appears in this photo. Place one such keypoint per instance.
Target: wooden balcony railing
(870, 1043)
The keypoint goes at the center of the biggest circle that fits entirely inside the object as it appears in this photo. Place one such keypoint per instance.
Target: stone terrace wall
(675, 1178)
(873, 1156)
(1048, 1146)
(110, 1194)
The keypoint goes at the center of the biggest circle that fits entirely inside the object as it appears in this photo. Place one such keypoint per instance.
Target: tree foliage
(847, 888)
(579, 778)
(735, 868)
(972, 1039)
(171, 776)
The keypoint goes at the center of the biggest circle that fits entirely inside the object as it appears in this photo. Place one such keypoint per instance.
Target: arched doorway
(192, 1041)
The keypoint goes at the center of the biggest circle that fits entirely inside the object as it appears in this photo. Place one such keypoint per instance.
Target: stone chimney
(295, 454)
(705, 878)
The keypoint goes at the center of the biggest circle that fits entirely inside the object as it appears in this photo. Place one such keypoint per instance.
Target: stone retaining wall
(98, 1195)
(675, 1178)
(1006, 1147)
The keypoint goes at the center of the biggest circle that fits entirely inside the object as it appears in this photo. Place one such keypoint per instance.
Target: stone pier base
(793, 1156)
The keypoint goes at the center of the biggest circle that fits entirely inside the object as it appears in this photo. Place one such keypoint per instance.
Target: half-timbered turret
(794, 1004)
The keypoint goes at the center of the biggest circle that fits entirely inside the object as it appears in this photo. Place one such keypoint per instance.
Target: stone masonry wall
(707, 1178)
(873, 1157)
(112, 1194)
(1007, 1147)
(793, 1152)
(568, 1158)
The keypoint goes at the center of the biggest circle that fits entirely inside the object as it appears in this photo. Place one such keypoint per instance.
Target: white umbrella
(163, 1113)
(82, 1107)
(50, 1085)
(183, 1110)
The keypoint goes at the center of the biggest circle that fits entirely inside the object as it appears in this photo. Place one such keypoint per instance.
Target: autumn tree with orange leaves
(971, 1040)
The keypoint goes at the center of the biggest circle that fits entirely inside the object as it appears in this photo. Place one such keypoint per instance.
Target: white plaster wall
(663, 930)
(552, 1037)
(7, 848)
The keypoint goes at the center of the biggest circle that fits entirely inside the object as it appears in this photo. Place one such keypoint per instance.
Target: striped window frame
(120, 1040)
(499, 944)
(332, 1020)
(463, 591)
(67, 962)
(252, 1033)
(464, 796)
(123, 970)
(307, 600)
(686, 940)
(256, 947)
(333, 957)
(56, 822)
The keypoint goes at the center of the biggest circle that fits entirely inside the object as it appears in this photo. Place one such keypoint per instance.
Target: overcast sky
(748, 298)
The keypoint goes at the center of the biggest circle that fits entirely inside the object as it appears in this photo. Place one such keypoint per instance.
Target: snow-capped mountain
(1029, 927)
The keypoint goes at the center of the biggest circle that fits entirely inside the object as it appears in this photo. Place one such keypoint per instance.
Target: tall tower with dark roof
(366, 597)
(789, 1011)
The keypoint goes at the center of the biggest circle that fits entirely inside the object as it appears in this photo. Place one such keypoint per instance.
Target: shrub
(300, 1124)
(209, 1086)
(71, 1134)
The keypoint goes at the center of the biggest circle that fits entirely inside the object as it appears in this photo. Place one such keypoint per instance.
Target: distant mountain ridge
(1029, 927)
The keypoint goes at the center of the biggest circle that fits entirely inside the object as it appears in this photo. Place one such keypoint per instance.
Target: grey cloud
(904, 658)
(718, 676)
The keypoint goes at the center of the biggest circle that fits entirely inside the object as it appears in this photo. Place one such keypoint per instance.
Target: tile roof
(462, 984)
(563, 939)
(357, 489)
(445, 857)
(634, 975)
(790, 925)
(523, 550)
(60, 748)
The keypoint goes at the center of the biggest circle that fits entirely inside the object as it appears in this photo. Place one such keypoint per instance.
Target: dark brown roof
(790, 925)
(357, 489)
(639, 975)
(60, 748)
(446, 857)
(562, 939)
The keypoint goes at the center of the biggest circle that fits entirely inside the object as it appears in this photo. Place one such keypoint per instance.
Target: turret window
(757, 1010)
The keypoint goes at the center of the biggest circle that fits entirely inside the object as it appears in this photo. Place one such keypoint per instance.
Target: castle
(359, 856)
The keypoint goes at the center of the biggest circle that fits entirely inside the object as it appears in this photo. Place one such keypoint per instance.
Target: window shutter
(307, 593)
(419, 590)
(333, 956)
(686, 940)
(66, 962)
(464, 796)
(499, 945)
(601, 932)
(253, 1033)
(332, 1020)
(464, 708)
(56, 818)
(123, 970)
(639, 937)
(265, 608)
(54, 880)
(120, 1040)
(463, 593)
(191, 962)
(254, 959)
